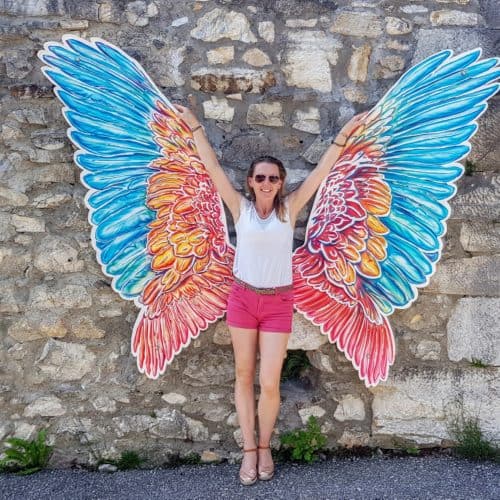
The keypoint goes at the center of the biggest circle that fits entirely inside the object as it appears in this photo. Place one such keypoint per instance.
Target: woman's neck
(263, 209)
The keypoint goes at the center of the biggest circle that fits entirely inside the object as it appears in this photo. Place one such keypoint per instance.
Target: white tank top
(263, 248)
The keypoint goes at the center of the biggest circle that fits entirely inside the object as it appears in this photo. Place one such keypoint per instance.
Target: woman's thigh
(272, 348)
(245, 350)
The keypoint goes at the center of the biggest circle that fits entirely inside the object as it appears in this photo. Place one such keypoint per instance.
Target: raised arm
(229, 195)
(298, 199)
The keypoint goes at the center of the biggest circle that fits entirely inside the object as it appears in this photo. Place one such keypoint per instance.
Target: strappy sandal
(250, 477)
(265, 474)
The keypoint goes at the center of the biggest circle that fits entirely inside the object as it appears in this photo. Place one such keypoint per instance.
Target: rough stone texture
(221, 55)
(266, 31)
(474, 330)
(307, 59)
(230, 82)
(350, 408)
(420, 407)
(480, 236)
(46, 406)
(255, 57)
(57, 254)
(218, 109)
(474, 276)
(218, 24)
(363, 24)
(269, 114)
(454, 18)
(307, 120)
(65, 361)
(358, 64)
(396, 26)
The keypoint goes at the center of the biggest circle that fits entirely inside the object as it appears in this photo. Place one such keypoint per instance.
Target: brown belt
(264, 291)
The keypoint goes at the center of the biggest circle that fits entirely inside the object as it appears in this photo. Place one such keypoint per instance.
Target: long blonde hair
(279, 199)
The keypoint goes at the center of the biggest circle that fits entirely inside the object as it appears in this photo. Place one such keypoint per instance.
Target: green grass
(295, 363)
(469, 167)
(303, 445)
(129, 460)
(477, 363)
(471, 442)
(26, 457)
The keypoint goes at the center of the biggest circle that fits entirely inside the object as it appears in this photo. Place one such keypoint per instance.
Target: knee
(245, 376)
(269, 386)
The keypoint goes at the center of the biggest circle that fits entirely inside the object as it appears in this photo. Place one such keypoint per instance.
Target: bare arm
(305, 191)
(229, 195)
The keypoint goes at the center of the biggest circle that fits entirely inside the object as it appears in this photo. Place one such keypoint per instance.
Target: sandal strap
(263, 447)
(250, 449)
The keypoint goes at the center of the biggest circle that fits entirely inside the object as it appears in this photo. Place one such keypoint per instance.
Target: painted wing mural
(376, 227)
(158, 226)
(375, 230)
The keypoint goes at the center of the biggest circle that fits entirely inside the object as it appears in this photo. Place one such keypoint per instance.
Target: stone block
(69, 296)
(420, 406)
(485, 143)
(480, 236)
(58, 254)
(34, 8)
(28, 224)
(350, 408)
(36, 325)
(232, 81)
(476, 276)
(256, 57)
(65, 361)
(307, 58)
(215, 368)
(397, 26)
(430, 41)
(83, 327)
(358, 64)
(307, 120)
(220, 55)
(218, 24)
(301, 23)
(428, 314)
(10, 300)
(268, 114)
(311, 411)
(362, 24)
(45, 406)
(477, 198)
(266, 31)
(474, 330)
(14, 260)
(218, 109)
(305, 335)
(427, 350)
(454, 18)
(12, 198)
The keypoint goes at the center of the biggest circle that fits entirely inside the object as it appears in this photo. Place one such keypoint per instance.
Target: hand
(347, 129)
(187, 116)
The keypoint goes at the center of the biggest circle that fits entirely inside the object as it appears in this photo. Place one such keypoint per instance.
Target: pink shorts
(266, 313)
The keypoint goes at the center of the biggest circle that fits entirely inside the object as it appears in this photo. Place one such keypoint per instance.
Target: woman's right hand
(187, 116)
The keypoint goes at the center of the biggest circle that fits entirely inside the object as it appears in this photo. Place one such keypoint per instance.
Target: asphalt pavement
(365, 478)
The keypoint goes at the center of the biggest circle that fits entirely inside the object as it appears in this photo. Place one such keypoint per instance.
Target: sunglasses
(273, 179)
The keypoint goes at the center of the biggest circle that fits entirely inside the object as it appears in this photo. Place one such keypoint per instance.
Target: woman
(260, 304)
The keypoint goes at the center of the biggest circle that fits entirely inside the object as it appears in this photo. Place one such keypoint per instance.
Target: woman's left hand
(349, 127)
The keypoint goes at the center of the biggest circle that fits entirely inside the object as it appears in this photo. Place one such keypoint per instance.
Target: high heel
(265, 473)
(250, 477)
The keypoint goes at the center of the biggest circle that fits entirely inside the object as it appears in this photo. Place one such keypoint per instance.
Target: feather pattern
(376, 227)
(157, 222)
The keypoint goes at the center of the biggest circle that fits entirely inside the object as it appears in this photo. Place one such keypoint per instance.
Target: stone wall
(278, 77)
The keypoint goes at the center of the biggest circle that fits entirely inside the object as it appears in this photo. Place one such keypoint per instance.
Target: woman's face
(266, 181)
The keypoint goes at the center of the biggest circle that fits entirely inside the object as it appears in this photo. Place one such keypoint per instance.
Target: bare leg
(272, 354)
(245, 354)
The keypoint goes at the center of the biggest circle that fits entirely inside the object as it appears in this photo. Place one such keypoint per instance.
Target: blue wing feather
(109, 103)
(425, 123)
